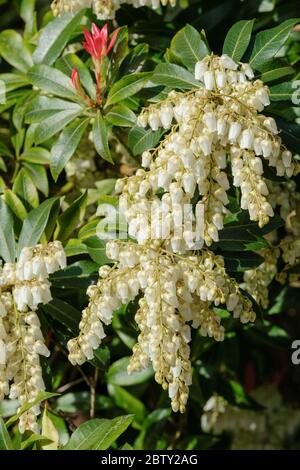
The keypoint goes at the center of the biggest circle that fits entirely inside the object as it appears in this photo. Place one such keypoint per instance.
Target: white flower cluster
(209, 127)
(264, 429)
(178, 292)
(23, 286)
(104, 9)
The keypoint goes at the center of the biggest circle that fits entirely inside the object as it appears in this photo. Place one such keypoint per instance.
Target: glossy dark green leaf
(53, 81)
(7, 237)
(25, 188)
(267, 43)
(35, 223)
(55, 36)
(52, 125)
(38, 174)
(100, 137)
(121, 116)
(188, 46)
(174, 76)
(69, 219)
(127, 86)
(238, 39)
(141, 139)
(98, 434)
(66, 145)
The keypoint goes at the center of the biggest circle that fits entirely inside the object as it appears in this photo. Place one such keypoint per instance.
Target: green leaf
(15, 204)
(117, 374)
(174, 76)
(14, 50)
(66, 146)
(267, 43)
(5, 440)
(238, 39)
(188, 47)
(38, 174)
(64, 313)
(37, 155)
(55, 36)
(51, 126)
(274, 69)
(70, 218)
(98, 434)
(41, 396)
(33, 439)
(53, 81)
(126, 87)
(282, 91)
(50, 432)
(13, 81)
(7, 236)
(34, 225)
(43, 107)
(135, 59)
(96, 250)
(140, 139)
(24, 187)
(120, 115)
(128, 402)
(100, 138)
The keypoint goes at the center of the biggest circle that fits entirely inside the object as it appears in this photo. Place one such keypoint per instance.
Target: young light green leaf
(14, 50)
(55, 37)
(188, 47)
(35, 224)
(70, 218)
(238, 39)
(24, 187)
(7, 236)
(126, 87)
(98, 434)
(120, 115)
(53, 81)
(66, 145)
(267, 43)
(174, 76)
(100, 138)
(50, 432)
(5, 440)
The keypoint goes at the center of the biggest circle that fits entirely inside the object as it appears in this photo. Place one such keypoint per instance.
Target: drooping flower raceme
(23, 286)
(178, 292)
(210, 128)
(104, 9)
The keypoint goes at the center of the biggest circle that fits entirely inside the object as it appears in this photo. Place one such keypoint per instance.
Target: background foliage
(39, 135)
